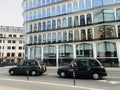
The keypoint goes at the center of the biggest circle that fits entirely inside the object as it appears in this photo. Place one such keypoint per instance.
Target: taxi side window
(93, 63)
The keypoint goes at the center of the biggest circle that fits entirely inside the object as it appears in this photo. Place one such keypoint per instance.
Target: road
(50, 81)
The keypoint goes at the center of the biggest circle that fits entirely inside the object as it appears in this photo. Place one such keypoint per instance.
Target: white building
(11, 44)
(58, 31)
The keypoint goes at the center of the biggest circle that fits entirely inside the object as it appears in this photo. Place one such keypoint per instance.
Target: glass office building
(58, 31)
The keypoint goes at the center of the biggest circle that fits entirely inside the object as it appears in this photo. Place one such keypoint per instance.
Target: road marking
(112, 82)
(53, 84)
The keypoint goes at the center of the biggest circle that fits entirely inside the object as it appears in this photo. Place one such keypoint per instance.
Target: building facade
(57, 31)
(11, 45)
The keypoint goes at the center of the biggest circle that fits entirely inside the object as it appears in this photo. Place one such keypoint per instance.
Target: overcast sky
(11, 12)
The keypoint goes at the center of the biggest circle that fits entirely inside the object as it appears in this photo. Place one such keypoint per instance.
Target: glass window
(26, 5)
(69, 8)
(59, 36)
(30, 4)
(97, 3)
(108, 2)
(48, 25)
(88, 4)
(35, 39)
(39, 39)
(58, 10)
(35, 27)
(53, 11)
(53, 24)
(44, 26)
(48, 12)
(39, 26)
(52, 1)
(89, 19)
(70, 22)
(64, 23)
(47, 1)
(76, 22)
(82, 20)
(34, 16)
(63, 9)
(117, 1)
(58, 0)
(31, 28)
(44, 38)
(31, 52)
(70, 37)
(59, 23)
(118, 30)
(106, 49)
(65, 36)
(84, 50)
(37, 53)
(81, 6)
(76, 35)
(90, 34)
(118, 14)
(105, 31)
(83, 35)
(30, 16)
(43, 13)
(54, 37)
(75, 6)
(108, 15)
(49, 37)
(39, 2)
(34, 4)
(98, 16)
(43, 2)
(30, 40)
(39, 14)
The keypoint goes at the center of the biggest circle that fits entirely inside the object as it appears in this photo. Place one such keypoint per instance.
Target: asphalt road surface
(51, 81)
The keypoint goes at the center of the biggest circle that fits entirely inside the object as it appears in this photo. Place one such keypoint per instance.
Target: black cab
(87, 67)
(31, 67)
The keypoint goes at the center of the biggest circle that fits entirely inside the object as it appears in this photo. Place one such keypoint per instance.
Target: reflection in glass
(54, 37)
(118, 30)
(76, 35)
(58, 10)
(39, 39)
(59, 36)
(49, 37)
(83, 35)
(97, 3)
(75, 6)
(63, 9)
(90, 34)
(81, 6)
(59, 23)
(64, 23)
(108, 15)
(70, 37)
(48, 25)
(65, 36)
(89, 19)
(48, 12)
(37, 52)
(82, 20)
(70, 22)
(76, 22)
(53, 24)
(69, 8)
(88, 4)
(117, 1)
(106, 49)
(84, 50)
(39, 26)
(108, 2)
(44, 26)
(118, 14)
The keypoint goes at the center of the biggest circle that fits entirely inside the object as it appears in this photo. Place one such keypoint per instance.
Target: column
(74, 51)
(118, 51)
(28, 52)
(42, 53)
(57, 55)
(94, 50)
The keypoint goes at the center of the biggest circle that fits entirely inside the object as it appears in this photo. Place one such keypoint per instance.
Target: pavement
(107, 68)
